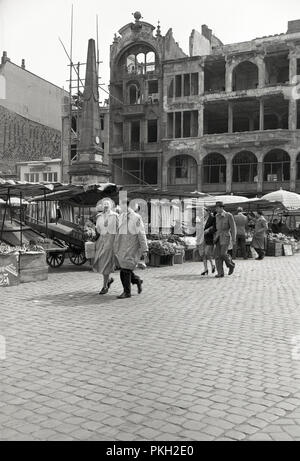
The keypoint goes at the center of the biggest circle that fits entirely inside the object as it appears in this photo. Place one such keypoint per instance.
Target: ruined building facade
(224, 119)
(31, 109)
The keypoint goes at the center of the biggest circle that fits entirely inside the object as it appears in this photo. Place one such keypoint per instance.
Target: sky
(30, 29)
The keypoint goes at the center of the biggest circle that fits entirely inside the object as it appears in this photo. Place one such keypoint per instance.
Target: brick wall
(22, 140)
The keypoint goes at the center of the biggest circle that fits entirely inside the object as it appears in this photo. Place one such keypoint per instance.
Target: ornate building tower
(137, 125)
(88, 167)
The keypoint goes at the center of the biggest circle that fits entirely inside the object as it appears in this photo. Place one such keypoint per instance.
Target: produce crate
(274, 249)
(33, 267)
(9, 270)
(161, 260)
(189, 254)
(178, 258)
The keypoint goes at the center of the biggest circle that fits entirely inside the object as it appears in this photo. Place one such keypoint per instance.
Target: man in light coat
(130, 244)
(226, 233)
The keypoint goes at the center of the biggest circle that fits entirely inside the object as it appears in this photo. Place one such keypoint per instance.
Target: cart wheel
(55, 260)
(77, 256)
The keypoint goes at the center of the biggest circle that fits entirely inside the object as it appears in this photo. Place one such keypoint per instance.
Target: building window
(32, 177)
(50, 177)
(245, 76)
(135, 135)
(73, 151)
(277, 166)
(134, 94)
(152, 87)
(135, 171)
(298, 167)
(245, 167)
(182, 170)
(183, 124)
(152, 130)
(214, 167)
(141, 63)
(102, 123)
(185, 85)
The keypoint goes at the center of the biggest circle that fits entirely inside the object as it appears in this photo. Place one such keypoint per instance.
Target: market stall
(76, 205)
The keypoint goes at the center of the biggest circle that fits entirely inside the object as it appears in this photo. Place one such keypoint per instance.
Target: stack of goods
(161, 253)
(90, 234)
(280, 244)
(179, 247)
(22, 264)
(31, 247)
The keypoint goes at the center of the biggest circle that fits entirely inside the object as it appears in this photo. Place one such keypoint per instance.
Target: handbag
(90, 250)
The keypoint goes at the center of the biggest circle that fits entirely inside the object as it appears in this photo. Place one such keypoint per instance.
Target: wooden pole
(21, 225)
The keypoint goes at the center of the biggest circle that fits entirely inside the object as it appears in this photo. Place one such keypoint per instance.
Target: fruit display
(28, 248)
(161, 247)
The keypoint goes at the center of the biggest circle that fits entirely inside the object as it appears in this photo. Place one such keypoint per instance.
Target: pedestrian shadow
(75, 299)
(188, 277)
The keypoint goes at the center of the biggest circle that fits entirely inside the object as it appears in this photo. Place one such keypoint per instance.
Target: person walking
(205, 244)
(225, 233)
(241, 222)
(260, 233)
(130, 245)
(106, 226)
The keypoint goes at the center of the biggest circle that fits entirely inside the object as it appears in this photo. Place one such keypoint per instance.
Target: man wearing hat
(226, 233)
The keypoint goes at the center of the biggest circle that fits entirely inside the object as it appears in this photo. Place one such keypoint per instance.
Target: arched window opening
(134, 94)
(182, 170)
(150, 61)
(141, 63)
(131, 64)
(214, 167)
(245, 76)
(277, 166)
(245, 167)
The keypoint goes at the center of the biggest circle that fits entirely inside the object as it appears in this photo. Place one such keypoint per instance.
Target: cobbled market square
(149, 224)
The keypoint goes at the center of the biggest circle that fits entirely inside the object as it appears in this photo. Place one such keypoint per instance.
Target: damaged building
(225, 119)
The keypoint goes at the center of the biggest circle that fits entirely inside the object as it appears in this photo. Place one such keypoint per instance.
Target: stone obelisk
(89, 167)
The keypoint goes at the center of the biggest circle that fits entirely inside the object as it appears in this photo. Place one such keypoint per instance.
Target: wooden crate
(178, 258)
(158, 260)
(33, 267)
(274, 249)
(9, 270)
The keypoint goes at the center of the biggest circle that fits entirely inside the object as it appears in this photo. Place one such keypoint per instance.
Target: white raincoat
(130, 242)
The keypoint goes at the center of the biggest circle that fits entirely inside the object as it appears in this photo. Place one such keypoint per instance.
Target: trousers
(240, 243)
(128, 278)
(221, 256)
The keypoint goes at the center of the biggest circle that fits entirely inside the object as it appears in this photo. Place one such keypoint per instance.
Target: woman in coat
(206, 246)
(130, 245)
(106, 225)
(259, 238)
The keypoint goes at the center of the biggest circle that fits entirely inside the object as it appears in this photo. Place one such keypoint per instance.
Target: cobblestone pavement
(190, 359)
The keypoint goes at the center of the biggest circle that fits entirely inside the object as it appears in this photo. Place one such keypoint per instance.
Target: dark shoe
(219, 276)
(110, 282)
(204, 273)
(214, 269)
(124, 296)
(139, 286)
(231, 270)
(104, 291)
(260, 258)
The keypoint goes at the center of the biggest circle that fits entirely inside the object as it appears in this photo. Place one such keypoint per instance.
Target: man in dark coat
(225, 234)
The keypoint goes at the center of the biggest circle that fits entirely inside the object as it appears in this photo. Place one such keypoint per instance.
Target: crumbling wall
(23, 140)
(171, 49)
